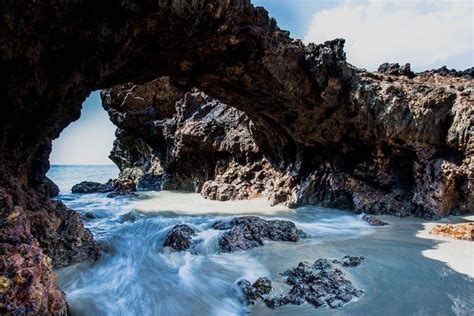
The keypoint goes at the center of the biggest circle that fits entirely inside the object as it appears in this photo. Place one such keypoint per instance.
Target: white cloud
(425, 33)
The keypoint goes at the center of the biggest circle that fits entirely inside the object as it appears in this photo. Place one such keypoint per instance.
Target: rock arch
(344, 129)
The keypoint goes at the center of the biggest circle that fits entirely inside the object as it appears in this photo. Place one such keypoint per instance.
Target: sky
(426, 33)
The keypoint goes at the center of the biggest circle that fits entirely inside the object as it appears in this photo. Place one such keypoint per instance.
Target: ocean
(136, 275)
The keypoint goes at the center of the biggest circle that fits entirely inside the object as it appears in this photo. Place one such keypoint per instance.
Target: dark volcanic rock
(113, 187)
(444, 71)
(348, 261)
(333, 134)
(396, 69)
(250, 231)
(252, 292)
(179, 238)
(86, 187)
(318, 284)
(373, 220)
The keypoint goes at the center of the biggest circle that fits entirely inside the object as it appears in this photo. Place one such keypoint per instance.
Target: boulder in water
(373, 221)
(179, 238)
(258, 290)
(348, 261)
(319, 284)
(250, 231)
(86, 187)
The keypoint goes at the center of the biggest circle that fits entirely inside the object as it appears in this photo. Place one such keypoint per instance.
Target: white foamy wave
(193, 203)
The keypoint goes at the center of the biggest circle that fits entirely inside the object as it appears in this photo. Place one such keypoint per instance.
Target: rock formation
(463, 231)
(250, 231)
(400, 145)
(319, 284)
(350, 138)
(179, 238)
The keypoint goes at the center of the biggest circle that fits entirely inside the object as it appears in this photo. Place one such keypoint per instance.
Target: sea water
(136, 275)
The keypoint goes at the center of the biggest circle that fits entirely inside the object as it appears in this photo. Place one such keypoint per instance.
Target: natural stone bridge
(383, 142)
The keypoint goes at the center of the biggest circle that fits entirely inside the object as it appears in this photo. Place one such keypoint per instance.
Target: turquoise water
(135, 275)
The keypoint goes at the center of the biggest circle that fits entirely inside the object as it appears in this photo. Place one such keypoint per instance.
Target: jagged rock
(258, 290)
(318, 284)
(250, 231)
(444, 71)
(179, 238)
(459, 231)
(396, 69)
(388, 144)
(371, 178)
(373, 221)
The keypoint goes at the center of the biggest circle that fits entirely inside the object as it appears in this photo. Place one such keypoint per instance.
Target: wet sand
(458, 254)
(404, 272)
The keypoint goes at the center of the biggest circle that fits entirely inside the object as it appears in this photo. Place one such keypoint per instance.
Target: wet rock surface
(334, 134)
(179, 238)
(320, 284)
(463, 231)
(393, 165)
(258, 290)
(348, 261)
(373, 220)
(115, 187)
(86, 187)
(250, 231)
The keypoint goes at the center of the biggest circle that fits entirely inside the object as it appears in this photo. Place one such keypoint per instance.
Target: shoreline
(457, 254)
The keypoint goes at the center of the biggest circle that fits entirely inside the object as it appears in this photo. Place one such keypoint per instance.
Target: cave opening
(81, 151)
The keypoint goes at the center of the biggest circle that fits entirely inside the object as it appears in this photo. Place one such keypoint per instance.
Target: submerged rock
(373, 221)
(463, 231)
(348, 261)
(250, 231)
(319, 284)
(179, 238)
(257, 290)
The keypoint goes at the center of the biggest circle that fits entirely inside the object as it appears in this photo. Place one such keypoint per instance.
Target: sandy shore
(457, 254)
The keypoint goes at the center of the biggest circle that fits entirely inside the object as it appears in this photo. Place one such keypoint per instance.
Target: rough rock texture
(348, 261)
(250, 231)
(319, 284)
(113, 187)
(203, 145)
(397, 145)
(86, 187)
(258, 290)
(373, 221)
(179, 238)
(459, 231)
(372, 142)
(396, 69)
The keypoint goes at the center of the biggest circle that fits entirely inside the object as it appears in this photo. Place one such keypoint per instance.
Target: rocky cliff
(353, 134)
(400, 145)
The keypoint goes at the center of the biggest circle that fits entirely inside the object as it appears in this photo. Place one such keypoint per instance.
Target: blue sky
(426, 33)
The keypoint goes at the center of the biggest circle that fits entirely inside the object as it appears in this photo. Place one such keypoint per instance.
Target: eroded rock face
(347, 136)
(399, 144)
